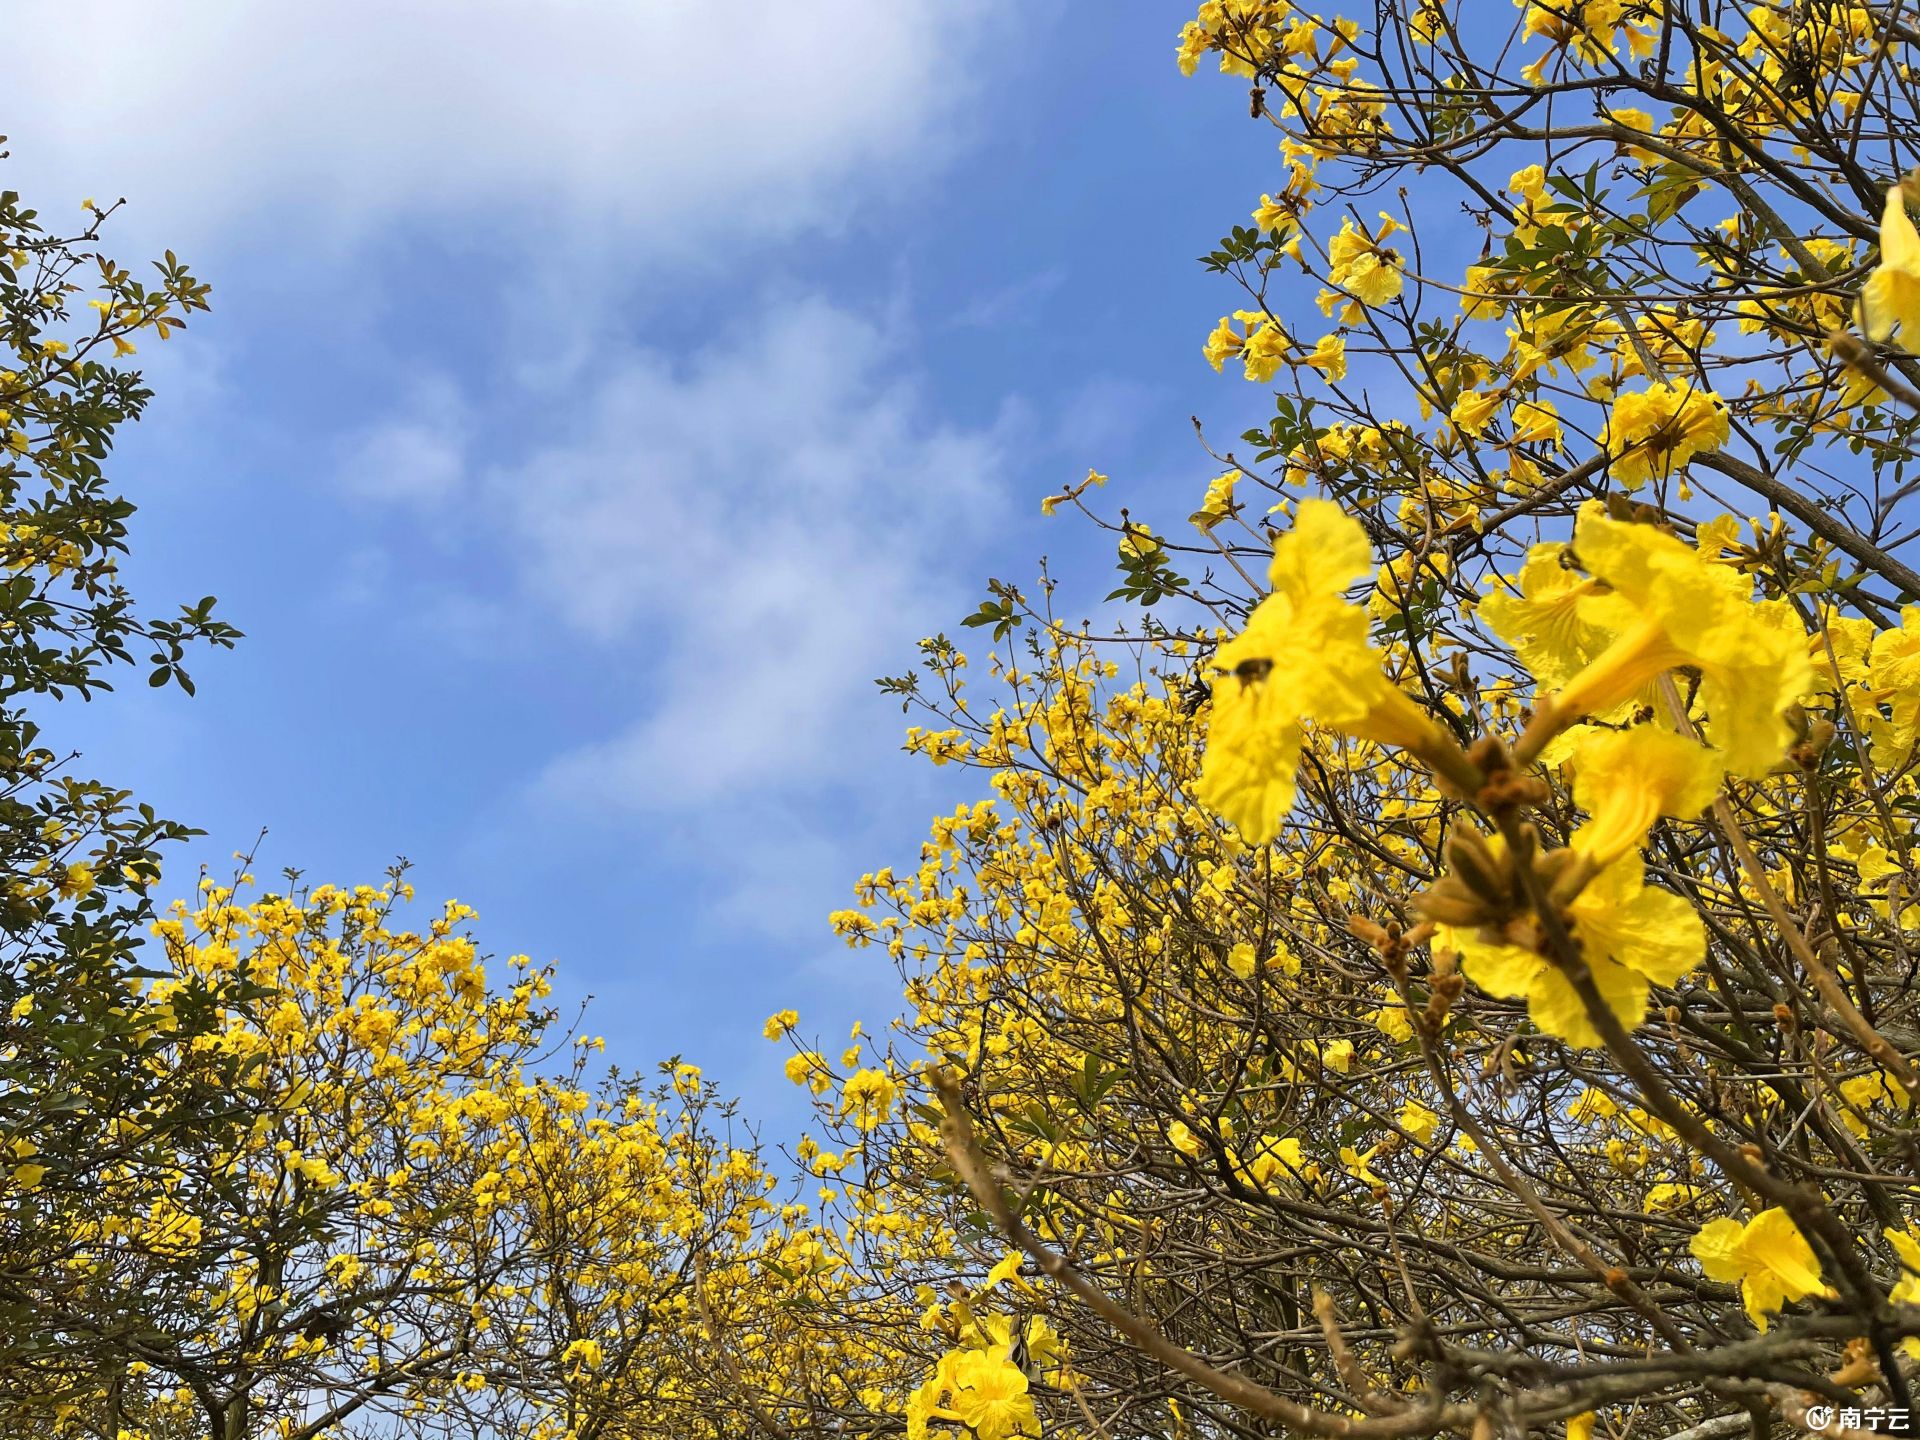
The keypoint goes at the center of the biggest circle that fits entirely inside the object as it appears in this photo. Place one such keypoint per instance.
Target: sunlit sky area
(598, 395)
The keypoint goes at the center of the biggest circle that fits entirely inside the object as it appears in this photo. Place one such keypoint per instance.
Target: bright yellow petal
(1323, 554)
(1899, 241)
(1691, 611)
(1775, 1245)
(1254, 736)
(1906, 1245)
(1627, 779)
(1650, 931)
(1717, 1248)
(1509, 971)
(1557, 1009)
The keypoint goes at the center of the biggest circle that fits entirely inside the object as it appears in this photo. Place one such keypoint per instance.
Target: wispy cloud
(770, 522)
(761, 527)
(417, 456)
(657, 121)
(1011, 304)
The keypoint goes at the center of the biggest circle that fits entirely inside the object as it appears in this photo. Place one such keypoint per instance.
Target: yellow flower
(1329, 357)
(1265, 349)
(1864, 1092)
(1535, 422)
(1483, 292)
(1218, 503)
(1658, 430)
(1474, 409)
(1358, 264)
(1180, 1135)
(868, 1097)
(1549, 624)
(1418, 1121)
(1359, 1164)
(989, 1395)
(1580, 1427)
(1223, 343)
(1673, 607)
(1669, 1195)
(1403, 581)
(1627, 779)
(1276, 1158)
(779, 1024)
(1392, 1021)
(1005, 1268)
(1428, 22)
(1893, 659)
(1891, 296)
(1768, 1256)
(1138, 542)
(1194, 42)
(1304, 655)
(1273, 215)
(1631, 936)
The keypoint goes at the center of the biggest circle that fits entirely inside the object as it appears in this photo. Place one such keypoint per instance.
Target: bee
(1252, 671)
(1019, 1356)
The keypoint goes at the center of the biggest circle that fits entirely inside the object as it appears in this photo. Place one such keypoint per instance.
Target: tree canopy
(1437, 956)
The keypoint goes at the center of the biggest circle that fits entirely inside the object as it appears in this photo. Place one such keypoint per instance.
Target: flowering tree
(431, 1218)
(78, 857)
(1450, 969)
(1447, 968)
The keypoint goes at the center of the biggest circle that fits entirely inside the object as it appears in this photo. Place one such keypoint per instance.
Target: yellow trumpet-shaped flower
(1224, 343)
(1284, 1158)
(1303, 656)
(1360, 264)
(1675, 608)
(1474, 409)
(1767, 1256)
(1557, 622)
(1632, 937)
(1627, 779)
(1329, 357)
(1658, 430)
(1891, 297)
(990, 1396)
(1906, 1290)
(1218, 502)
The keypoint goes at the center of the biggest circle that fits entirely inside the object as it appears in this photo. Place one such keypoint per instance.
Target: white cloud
(503, 120)
(771, 524)
(1014, 304)
(758, 524)
(418, 457)
(763, 526)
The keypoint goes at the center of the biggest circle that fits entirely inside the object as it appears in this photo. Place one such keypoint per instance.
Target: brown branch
(761, 1415)
(963, 1151)
(1835, 532)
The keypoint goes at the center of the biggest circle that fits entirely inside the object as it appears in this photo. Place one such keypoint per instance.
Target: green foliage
(80, 1095)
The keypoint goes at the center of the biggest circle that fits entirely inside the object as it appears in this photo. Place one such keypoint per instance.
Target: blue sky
(595, 401)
